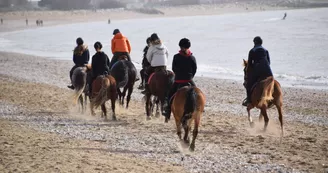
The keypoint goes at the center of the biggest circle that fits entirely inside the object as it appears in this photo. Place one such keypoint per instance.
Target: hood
(188, 54)
(118, 36)
(159, 46)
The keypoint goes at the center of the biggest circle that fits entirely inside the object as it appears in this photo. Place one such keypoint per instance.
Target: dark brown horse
(103, 89)
(265, 94)
(187, 107)
(79, 80)
(125, 74)
(160, 83)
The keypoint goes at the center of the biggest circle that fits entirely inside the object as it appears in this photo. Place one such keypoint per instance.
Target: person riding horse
(99, 64)
(259, 61)
(81, 57)
(120, 46)
(184, 66)
(157, 56)
(145, 64)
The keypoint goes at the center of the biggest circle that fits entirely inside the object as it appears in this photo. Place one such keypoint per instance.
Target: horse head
(247, 70)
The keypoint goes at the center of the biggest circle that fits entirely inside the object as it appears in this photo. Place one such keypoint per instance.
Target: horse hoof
(252, 124)
(166, 120)
(192, 148)
(157, 114)
(148, 118)
(114, 119)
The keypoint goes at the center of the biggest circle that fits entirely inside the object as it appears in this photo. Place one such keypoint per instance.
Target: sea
(297, 45)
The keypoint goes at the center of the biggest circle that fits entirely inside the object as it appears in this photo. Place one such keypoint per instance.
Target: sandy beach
(42, 131)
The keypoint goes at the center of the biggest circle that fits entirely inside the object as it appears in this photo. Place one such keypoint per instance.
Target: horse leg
(128, 98)
(159, 105)
(85, 101)
(81, 103)
(179, 127)
(119, 95)
(186, 138)
(251, 123)
(91, 109)
(104, 110)
(148, 100)
(266, 118)
(113, 108)
(260, 117)
(123, 94)
(280, 119)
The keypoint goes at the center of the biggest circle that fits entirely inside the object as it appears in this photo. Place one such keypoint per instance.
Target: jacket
(184, 66)
(120, 44)
(100, 64)
(157, 55)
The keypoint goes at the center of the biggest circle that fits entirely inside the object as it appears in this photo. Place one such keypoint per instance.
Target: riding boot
(247, 100)
(146, 89)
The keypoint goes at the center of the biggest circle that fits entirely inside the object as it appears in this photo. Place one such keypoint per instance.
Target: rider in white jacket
(157, 56)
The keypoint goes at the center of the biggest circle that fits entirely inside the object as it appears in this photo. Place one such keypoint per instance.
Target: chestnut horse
(79, 81)
(187, 107)
(265, 94)
(160, 82)
(103, 89)
(125, 74)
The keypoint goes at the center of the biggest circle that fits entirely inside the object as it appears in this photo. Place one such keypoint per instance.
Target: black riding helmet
(116, 31)
(79, 41)
(154, 37)
(97, 45)
(185, 43)
(258, 40)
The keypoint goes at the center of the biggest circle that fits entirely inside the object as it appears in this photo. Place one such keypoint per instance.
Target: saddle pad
(151, 76)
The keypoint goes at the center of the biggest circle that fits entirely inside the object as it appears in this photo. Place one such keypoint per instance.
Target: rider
(81, 57)
(120, 46)
(145, 64)
(99, 65)
(184, 66)
(259, 60)
(157, 56)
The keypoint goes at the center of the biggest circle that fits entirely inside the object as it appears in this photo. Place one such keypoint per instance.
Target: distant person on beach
(1, 21)
(285, 15)
(259, 59)
(26, 22)
(99, 64)
(81, 57)
(108, 21)
(120, 46)
(145, 64)
(184, 67)
(41, 22)
(37, 22)
(157, 56)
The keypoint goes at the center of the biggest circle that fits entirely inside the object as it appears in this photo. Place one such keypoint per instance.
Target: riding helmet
(258, 40)
(185, 43)
(79, 41)
(116, 31)
(154, 37)
(97, 45)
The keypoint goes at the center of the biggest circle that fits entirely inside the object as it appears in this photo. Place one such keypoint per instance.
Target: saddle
(179, 87)
(122, 57)
(88, 66)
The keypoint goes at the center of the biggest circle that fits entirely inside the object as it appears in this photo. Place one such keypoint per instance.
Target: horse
(125, 74)
(188, 106)
(79, 80)
(103, 89)
(160, 82)
(265, 94)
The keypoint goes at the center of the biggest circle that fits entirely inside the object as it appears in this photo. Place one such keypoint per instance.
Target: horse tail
(79, 82)
(190, 105)
(268, 89)
(102, 94)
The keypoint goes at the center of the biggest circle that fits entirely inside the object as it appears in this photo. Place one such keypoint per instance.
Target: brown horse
(265, 94)
(188, 106)
(160, 83)
(103, 89)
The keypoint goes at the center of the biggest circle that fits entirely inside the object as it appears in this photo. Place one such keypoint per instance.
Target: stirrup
(245, 102)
